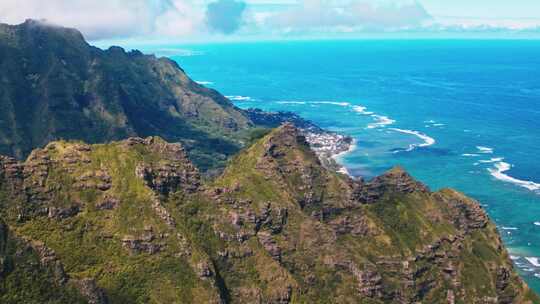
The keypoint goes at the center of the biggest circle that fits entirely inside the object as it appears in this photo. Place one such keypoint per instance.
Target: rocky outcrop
(62, 213)
(49, 259)
(170, 176)
(11, 173)
(356, 225)
(95, 180)
(270, 245)
(395, 180)
(465, 213)
(107, 203)
(276, 227)
(142, 244)
(91, 291)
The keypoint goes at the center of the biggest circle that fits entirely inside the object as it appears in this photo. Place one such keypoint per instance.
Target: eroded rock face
(48, 258)
(164, 177)
(465, 213)
(288, 136)
(395, 180)
(91, 291)
(141, 244)
(107, 203)
(270, 245)
(300, 233)
(94, 180)
(63, 213)
(168, 178)
(10, 170)
(356, 225)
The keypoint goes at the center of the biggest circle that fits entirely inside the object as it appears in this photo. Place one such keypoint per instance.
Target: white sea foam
(291, 102)
(470, 154)
(514, 257)
(484, 150)
(428, 141)
(492, 160)
(202, 82)
(509, 228)
(433, 123)
(239, 98)
(498, 173)
(537, 223)
(534, 261)
(336, 103)
(380, 121)
(362, 110)
(178, 52)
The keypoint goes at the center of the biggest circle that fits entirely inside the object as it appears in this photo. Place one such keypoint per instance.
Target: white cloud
(110, 18)
(200, 19)
(478, 23)
(317, 15)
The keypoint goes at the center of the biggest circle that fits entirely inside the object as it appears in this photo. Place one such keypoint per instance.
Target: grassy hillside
(132, 222)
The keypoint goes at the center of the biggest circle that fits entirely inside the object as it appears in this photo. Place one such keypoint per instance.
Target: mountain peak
(286, 136)
(66, 89)
(138, 207)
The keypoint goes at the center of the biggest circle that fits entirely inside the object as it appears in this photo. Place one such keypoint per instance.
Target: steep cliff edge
(54, 85)
(132, 222)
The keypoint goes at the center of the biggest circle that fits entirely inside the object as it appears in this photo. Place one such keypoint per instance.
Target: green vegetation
(56, 86)
(132, 221)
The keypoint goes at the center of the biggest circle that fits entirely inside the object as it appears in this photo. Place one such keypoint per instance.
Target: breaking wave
(499, 173)
(239, 98)
(428, 141)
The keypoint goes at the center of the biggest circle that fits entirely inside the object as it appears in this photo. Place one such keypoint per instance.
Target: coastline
(337, 158)
(330, 147)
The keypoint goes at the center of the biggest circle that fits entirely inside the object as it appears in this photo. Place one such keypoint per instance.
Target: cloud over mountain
(111, 18)
(201, 19)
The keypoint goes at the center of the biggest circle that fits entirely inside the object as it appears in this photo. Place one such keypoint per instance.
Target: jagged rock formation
(54, 85)
(133, 222)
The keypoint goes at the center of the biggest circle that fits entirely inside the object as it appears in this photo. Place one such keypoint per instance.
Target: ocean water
(461, 114)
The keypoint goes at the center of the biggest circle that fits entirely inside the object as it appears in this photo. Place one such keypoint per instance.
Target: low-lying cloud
(111, 18)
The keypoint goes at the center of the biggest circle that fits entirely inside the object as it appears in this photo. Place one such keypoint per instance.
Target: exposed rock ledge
(326, 144)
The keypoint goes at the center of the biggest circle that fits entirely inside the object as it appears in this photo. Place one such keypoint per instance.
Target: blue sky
(484, 8)
(217, 20)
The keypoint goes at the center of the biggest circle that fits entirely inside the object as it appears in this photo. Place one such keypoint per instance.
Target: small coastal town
(329, 146)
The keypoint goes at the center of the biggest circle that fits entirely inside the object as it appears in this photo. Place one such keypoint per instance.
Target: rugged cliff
(54, 85)
(132, 222)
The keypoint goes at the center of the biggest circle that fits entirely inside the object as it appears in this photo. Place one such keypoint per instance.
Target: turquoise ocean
(454, 113)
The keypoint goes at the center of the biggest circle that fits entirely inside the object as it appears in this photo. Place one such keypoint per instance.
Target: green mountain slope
(132, 222)
(54, 85)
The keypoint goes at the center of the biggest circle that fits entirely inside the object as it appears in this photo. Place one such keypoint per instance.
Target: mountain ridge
(129, 218)
(120, 219)
(56, 86)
